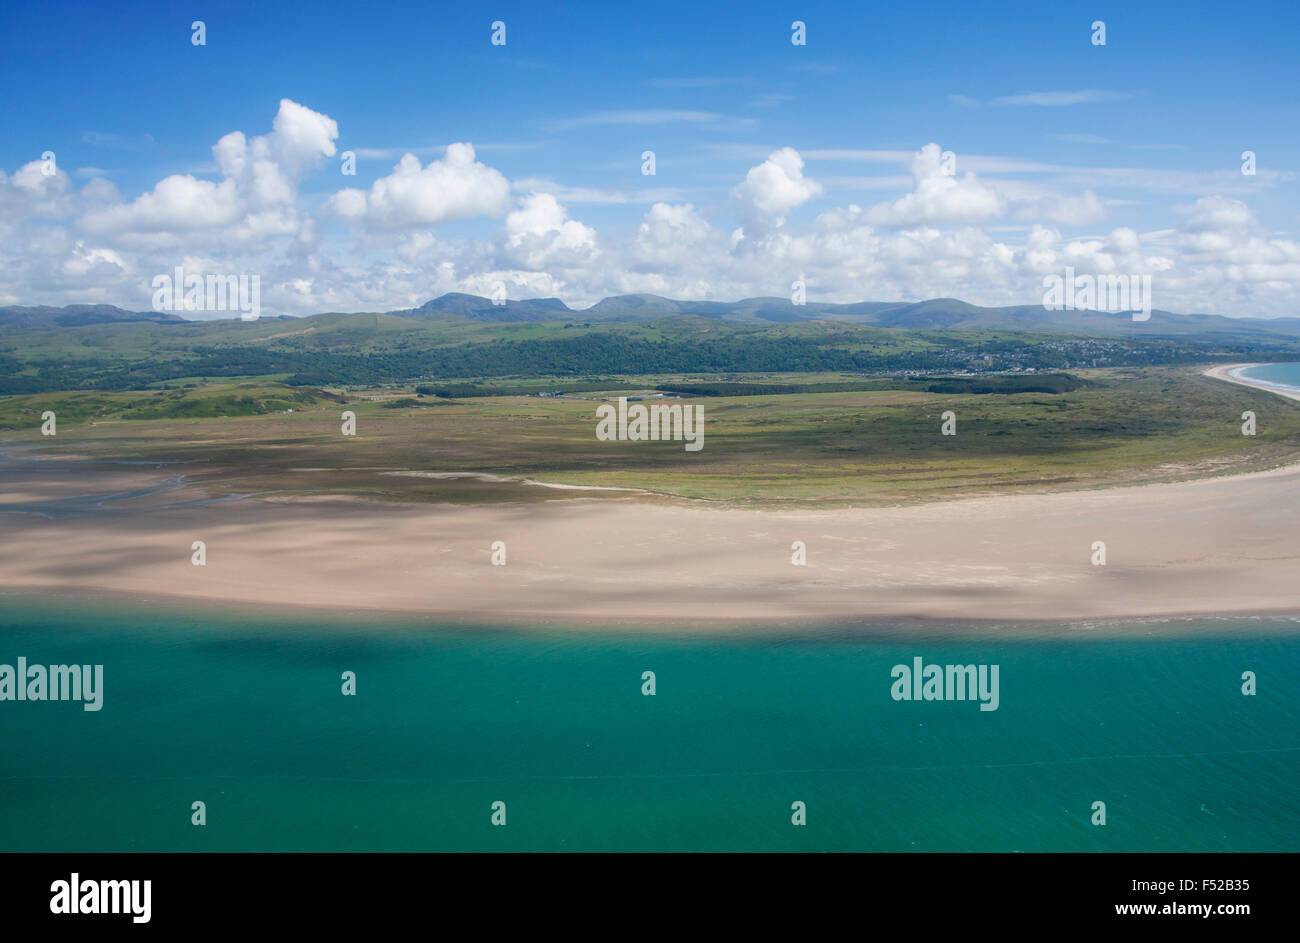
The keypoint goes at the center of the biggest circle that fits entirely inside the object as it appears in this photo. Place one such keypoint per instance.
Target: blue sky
(1066, 144)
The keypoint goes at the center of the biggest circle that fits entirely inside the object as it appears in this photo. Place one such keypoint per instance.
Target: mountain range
(935, 314)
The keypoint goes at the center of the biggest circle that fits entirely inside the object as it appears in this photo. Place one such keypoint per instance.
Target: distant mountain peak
(78, 315)
(931, 314)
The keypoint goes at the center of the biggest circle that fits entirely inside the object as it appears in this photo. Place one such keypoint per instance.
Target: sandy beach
(1228, 545)
(1226, 372)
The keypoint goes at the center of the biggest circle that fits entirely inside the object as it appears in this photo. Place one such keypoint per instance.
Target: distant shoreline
(232, 619)
(1231, 373)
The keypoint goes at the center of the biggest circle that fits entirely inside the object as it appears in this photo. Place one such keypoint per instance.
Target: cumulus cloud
(1067, 209)
(33, 177)
(61, 244)
(1119, 252)
(773, 189)
(539, 233)
(176, 203)
(256, 196)
(455, 187)
(1225, 250)
(669, 233)
(34, 191)
(939, 196)
(83, 259)
(1217, 214)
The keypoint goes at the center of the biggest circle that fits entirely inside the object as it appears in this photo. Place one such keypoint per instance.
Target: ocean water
(1283, 375)
(245, 714)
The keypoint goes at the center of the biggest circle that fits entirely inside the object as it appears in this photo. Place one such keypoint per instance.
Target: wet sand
(1228, 545)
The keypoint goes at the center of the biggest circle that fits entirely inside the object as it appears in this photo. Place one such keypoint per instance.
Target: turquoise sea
(245, 714)
(1282, 375)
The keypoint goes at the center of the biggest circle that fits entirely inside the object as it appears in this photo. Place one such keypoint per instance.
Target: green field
(875, 445)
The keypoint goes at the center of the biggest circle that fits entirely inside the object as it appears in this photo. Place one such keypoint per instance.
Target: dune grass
(863, 447)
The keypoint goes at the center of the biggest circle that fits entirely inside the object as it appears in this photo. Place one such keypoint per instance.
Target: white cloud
(31, 192)
(1216, 214)
(939, 197)
(539, 233)
(1067, 209)
(83, 259)
(177, 203)
(597, 195)
(887, 157)
(773, 189)
(455, 187)
(939, 235)
(256, 196)
(671, 236)
(33, 178)
(1059, 99)
(1225, 251)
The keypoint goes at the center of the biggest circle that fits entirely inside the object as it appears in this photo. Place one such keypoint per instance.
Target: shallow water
(245, 714)
(1284, 376)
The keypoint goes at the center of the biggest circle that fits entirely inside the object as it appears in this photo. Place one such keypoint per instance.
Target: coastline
(234, 619)
(1208, 547)
(1230, 373)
